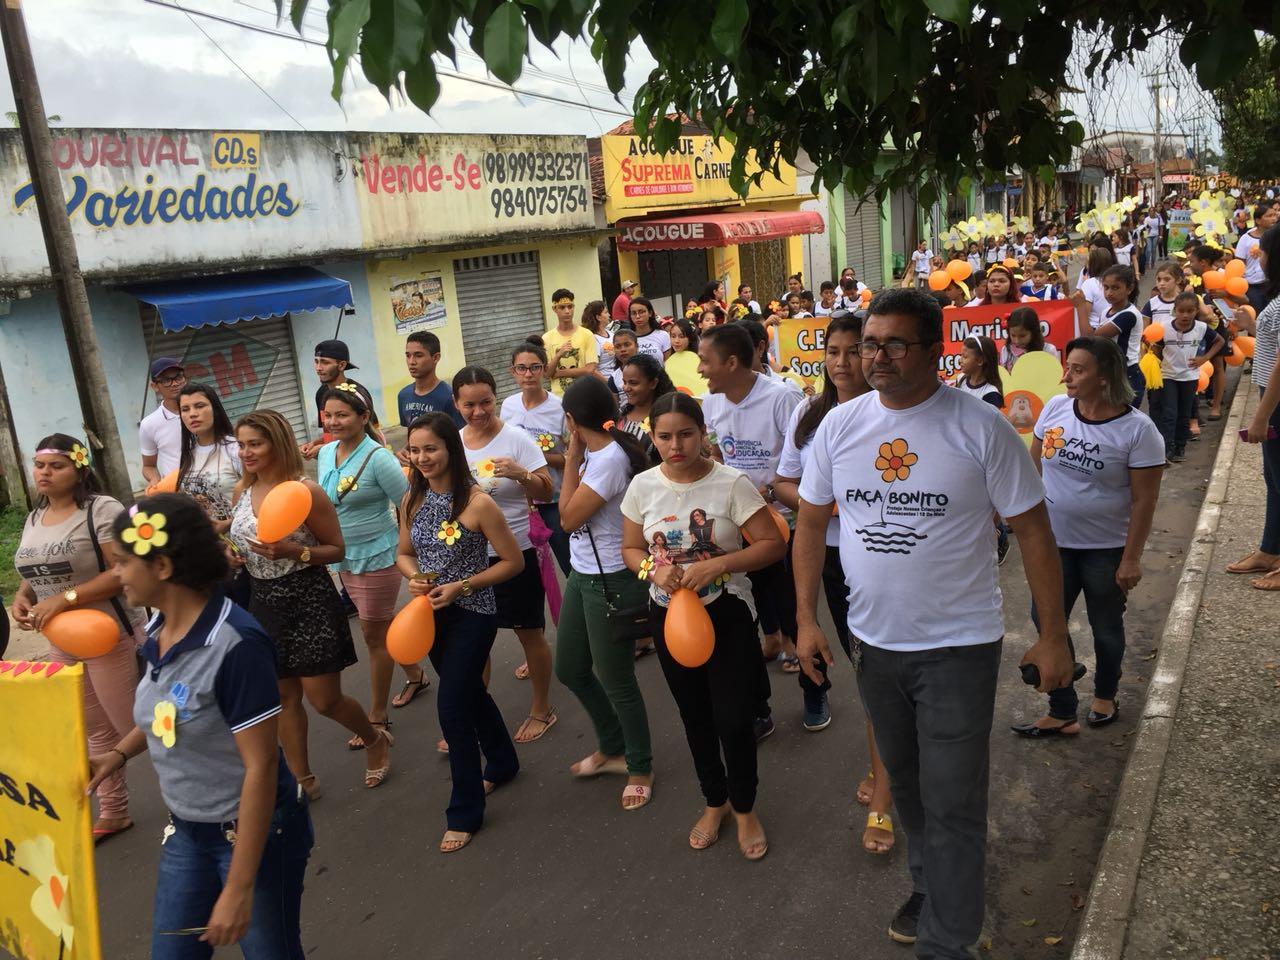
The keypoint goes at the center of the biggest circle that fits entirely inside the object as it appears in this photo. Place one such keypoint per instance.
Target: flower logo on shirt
(164, 724)
(486, 475)
(79, 456)
(147, 532)
(895, 461)
(646, 568)
(450, 532)
(545, 441)
(1052, 442)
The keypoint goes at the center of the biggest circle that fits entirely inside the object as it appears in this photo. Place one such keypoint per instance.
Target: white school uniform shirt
(1124, 255)
(545, 426)
(975, 261)
(514, 443)
(1091, 290)
(1086, 467)
(1245, 247)
(920, 260)
(1158, 310)
(160, 436)
(1129, 339)
(795, 460)
(604, 350)
(750, 434)
(1179, 350)
(916, 490)
(607, 472)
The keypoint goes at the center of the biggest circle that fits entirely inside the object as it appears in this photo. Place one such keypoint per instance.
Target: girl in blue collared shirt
(235, 850)
(365, 481)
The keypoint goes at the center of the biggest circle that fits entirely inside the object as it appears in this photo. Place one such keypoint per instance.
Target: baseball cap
(160, 364)
(335, 350)
(628, 284)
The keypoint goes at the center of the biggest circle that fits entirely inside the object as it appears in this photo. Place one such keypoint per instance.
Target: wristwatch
(466, 586)
(71, 596)
(305, 555)
(769, 494)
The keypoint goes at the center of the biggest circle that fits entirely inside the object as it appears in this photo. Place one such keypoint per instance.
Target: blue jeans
(550, 513)
(469, 719)
(1271, 476)
(194, 862)
(1139, 384)
(1093, 573)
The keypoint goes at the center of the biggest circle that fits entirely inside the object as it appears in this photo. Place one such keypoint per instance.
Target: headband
(78, 455)
(563, 301)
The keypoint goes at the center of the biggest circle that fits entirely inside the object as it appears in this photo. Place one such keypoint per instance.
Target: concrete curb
(1105, 923)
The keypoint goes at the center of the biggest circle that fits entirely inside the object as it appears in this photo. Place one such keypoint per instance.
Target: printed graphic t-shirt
(1086, 467)
(750, 434)
(656, 343)
(545, 426)
(607, 472)
(439, 399)
(584, 351)
(514, 443)
(917, 489)
(1179, 350)
(687, 522)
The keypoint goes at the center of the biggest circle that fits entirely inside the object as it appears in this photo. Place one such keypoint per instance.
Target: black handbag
(626, 624)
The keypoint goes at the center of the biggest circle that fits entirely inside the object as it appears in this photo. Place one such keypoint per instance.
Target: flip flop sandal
(1032, 732)
(878, 821)
(548, 721)
(356, 743)
(1252, 568)
(636, 790)
(589, 767)
(419, 687)
(790, 664)
(522, 672)
(1269, 582)
(102, 834)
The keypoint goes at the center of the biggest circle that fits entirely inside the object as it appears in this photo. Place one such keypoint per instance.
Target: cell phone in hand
(1271, 434)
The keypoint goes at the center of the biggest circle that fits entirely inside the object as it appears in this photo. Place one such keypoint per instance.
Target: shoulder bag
(627, 624)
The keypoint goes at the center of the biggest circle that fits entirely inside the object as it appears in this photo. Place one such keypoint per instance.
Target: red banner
(1057, 323)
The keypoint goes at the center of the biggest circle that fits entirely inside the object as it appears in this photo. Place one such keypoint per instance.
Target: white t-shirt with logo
(750, 434)
(607, 472)
(1179, 350)
(514, 443)
(687, 522)
(656, 344)
(917, 490)
(545, 426)
(1159, 310)
(795, 460)
(1086, 466)
(160, 436)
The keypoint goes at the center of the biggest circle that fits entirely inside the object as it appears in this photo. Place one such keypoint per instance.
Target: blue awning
(234, 297)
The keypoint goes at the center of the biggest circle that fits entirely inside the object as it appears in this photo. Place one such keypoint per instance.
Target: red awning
(716, 229)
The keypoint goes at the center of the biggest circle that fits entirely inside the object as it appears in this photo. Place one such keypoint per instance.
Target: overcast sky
(145, 65)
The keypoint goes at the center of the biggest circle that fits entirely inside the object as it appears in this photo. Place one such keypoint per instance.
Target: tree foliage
(1249, 111)
(951, 88)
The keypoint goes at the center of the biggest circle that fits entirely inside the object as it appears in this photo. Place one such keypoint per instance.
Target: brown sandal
(1240, 566)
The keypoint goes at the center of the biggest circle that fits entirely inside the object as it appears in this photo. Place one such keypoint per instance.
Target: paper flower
(721, 580)
(164, 724)
(646, 568)
(347, 484)
(895, 461)
(1052, 442)
(79, 456)
(450, 532)
(147, 532)
(545, 441)
(347, 387)
(50, 903)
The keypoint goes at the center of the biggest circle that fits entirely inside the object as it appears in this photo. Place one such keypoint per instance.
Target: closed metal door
(764, 266)
(863, 250)
(500, 303)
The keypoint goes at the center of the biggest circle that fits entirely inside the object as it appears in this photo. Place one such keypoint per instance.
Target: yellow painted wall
(568, 263)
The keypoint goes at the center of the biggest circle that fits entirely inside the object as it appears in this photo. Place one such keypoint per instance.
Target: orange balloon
(1206, 374)
(689, 634)
(959, 270)
(866, 295)
(83, 633)
(1234, 268)
(1245, 345)
(1237, 286)
(939, 280)
(1214, 279)
(1011, 263)
(166, 484)
(781, 524)
(1245, 310)
(412, 632)
(1235, 358)
(1154, 332)
(283, 510)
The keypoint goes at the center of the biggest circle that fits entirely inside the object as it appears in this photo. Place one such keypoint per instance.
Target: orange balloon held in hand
(283, 510)
(412, 632)
(1153, 332)
(688, 632)
(1245, 345)
(783, 529)
(1237, 286)
(1213, 279)
(1206, 374)
(959, 270)
(1234, 358)
(939, 280)
(83, 633)
(1234, 268)
(166, 484)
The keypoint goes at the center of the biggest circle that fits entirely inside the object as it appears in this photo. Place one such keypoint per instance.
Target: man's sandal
(419, 687)
(878, 821)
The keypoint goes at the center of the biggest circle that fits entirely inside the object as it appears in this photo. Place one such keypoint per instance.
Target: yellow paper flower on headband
(79, 456)
(147, 532)
(347, 387)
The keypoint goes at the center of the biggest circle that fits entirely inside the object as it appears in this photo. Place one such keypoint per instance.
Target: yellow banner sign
(695, 173)
(802, 346)
(48, 895)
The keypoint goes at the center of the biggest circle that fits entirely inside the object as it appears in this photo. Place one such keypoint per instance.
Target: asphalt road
(560, 871)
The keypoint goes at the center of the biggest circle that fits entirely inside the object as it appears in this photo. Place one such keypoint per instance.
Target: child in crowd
(1169, 283)
(625, 346)
(1188, 342)
(684, 337)
(980, 371)
(975, 257)
(1024, 335)
(1122, 323)
(827, 303)
(1039, 287)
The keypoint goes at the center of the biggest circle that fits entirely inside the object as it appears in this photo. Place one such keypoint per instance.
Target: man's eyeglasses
(894, 349)
(172, 381)
(530, 368)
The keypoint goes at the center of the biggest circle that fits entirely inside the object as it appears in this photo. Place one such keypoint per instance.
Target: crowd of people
(748, 489)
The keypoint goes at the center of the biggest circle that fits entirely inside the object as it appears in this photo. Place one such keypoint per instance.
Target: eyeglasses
(894, 349)
(531, 368)
(172, 381)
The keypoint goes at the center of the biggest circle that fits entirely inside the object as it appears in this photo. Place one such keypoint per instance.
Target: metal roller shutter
(863, 250)
(251, 364)
(499, 304)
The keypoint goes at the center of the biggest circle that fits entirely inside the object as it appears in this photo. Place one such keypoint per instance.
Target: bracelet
(124, 757)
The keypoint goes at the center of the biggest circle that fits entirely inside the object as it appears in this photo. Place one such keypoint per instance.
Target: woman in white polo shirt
(1102, 461)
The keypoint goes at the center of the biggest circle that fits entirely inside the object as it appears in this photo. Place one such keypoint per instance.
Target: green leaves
(1218, 52)
(391, 41)
(505, 39)
(956, 11)
(728, 26)
(422, 86)
(346, 19)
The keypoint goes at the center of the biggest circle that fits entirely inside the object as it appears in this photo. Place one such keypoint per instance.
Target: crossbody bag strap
(604, 577)
(102, 565)
(356, 478)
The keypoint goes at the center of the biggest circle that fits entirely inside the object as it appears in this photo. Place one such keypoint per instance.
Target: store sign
(694, 173)
(238, 365)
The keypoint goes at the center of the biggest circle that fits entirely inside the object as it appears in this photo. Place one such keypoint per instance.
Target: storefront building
(680, 224)
(237, 252)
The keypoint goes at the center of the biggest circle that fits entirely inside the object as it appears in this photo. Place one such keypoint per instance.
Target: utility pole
(68, 282)
(1159, 174)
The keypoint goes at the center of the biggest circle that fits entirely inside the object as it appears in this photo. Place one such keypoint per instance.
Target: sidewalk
(1191, 866)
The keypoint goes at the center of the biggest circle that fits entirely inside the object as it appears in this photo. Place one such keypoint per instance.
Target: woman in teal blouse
(364, 480)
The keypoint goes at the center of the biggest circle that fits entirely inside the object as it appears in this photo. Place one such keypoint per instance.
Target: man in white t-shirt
(160, 431)
(918, 471)
(747, 415)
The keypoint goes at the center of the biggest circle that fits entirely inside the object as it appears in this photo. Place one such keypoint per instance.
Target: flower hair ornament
(78, 455)
(146, 532)
(347, 387)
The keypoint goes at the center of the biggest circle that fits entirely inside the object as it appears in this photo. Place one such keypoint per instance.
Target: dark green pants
(601, 669)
